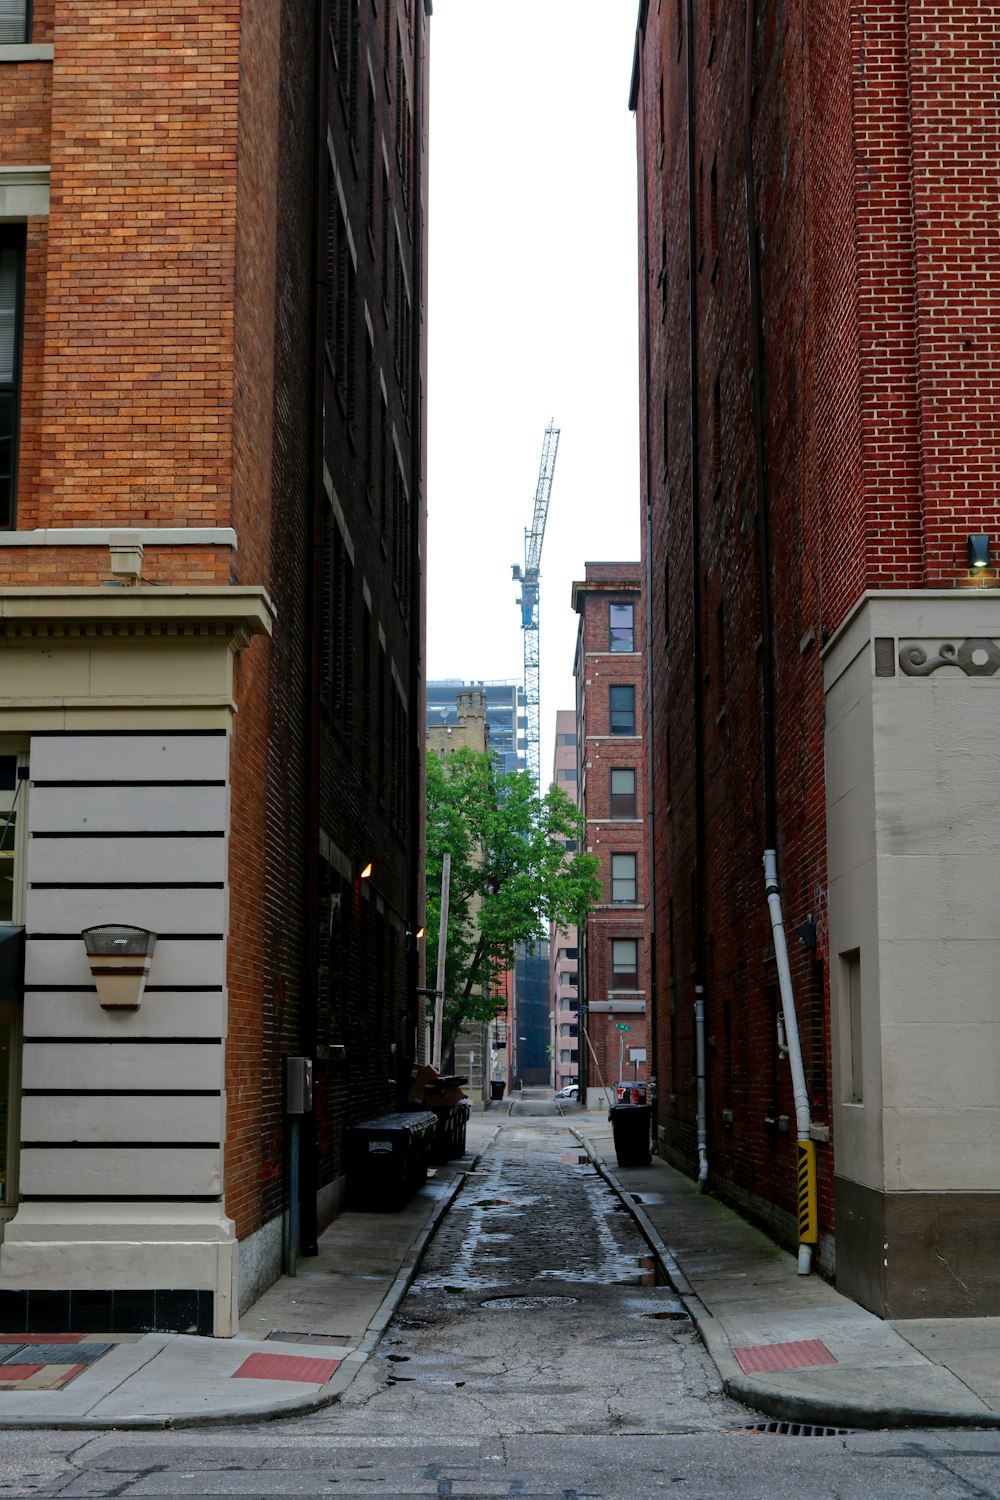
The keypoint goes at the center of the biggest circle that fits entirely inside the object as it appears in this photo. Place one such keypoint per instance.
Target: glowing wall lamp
(366, 873)
(979, 552)
(119, 958)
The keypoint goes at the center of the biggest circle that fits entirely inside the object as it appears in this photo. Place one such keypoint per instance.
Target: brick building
(563, 942)
(615, 953)
(211, 622)
(819, 475)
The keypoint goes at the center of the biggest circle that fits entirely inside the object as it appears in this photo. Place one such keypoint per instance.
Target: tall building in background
(505, 715)
(212, 362)
(530, 1039)
(820, 470)
(611, 749)
(563, 943)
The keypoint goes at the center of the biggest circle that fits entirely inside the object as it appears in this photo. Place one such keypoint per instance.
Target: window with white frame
(624, 964)
(621, 627)
(624, 881)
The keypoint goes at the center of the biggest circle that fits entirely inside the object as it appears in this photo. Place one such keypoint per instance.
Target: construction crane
(528, 579)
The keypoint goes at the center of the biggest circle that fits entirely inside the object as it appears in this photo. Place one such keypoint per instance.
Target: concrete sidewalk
(791, 1346)
(788, 1346)
(298, 1348)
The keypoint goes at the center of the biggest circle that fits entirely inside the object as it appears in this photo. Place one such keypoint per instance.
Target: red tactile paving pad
(286, 1367)
(14, 1374)
(797, 1356)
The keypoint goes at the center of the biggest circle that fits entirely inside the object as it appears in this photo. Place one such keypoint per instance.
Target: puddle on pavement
(527, 1303)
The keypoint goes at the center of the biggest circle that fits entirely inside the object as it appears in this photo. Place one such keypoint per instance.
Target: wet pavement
(537, 1310)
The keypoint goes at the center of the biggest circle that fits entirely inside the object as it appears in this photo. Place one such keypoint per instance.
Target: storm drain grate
(793, 1429)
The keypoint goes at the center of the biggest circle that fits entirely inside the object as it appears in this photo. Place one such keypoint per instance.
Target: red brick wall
(598, 668)
(875, 151)
(137, 401)
(25, 103)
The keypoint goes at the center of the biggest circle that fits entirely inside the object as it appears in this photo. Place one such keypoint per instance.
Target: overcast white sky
(532, 316)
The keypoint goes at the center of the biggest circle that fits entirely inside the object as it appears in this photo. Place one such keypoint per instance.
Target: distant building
(531, 1014)
(563, 943)
(611, 744)
(505, 715)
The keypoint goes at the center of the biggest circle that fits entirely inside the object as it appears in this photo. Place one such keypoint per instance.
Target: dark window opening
(623, 793)
(622, 709)
(11, 297)
(624, 878)
(621, 627)
(15, 22)
(624, 964)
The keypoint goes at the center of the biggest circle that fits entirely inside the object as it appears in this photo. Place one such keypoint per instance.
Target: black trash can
(387, 1160)
(630, 1123)
(497, 1086)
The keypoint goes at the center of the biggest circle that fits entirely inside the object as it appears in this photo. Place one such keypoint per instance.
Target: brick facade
(874, 163)
(198, 367)
(609, 657)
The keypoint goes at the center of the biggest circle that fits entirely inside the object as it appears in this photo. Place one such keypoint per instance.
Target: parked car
(571, 1091)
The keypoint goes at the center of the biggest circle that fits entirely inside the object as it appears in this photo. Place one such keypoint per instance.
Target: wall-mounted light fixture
(366, 873)
(119, 958)
(126, 557)
(979, 552)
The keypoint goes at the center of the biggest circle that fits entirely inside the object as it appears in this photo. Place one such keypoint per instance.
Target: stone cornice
(234, 614)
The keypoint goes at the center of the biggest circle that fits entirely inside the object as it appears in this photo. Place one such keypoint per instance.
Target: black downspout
(317, 501)
(763, 517)
(698, 915)
(414, 895)
(654, 1070)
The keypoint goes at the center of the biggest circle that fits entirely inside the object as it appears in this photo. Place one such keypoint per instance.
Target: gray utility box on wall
(298, 1085)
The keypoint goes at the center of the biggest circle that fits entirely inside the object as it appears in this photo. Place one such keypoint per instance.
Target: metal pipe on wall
(803, 1120)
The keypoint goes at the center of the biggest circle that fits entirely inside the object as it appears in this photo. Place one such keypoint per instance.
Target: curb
(347, 1371)
(819, 1411)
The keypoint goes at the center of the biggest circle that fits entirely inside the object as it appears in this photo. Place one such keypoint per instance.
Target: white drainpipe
(699, 1031)
(800, 1093)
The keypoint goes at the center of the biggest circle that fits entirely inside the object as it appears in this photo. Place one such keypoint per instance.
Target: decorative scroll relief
(977, 657)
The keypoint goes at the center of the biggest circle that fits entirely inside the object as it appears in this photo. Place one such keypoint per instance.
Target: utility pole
(442, 955)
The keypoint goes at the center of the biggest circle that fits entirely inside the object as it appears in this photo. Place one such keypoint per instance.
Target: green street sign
(620, 1027)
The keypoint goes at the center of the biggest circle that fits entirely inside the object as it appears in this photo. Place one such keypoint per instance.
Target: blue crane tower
(528, 579)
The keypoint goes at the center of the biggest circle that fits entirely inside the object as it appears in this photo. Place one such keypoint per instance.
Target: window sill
(16, 52)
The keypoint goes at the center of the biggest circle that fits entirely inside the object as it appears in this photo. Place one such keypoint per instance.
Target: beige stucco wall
(913, 816)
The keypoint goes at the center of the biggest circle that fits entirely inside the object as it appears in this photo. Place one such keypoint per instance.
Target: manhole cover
(527, 1302)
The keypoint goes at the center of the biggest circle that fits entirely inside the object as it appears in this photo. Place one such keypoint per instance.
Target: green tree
(510, 875)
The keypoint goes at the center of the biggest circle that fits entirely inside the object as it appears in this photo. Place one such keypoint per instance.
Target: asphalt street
(534, 1356)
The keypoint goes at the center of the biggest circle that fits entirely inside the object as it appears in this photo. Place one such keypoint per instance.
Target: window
(622, 705)
(623, 877)
(11, 291)
(622, 631)
(623, 793)
(15, 21)
(566, 774)
(624, 964)
(565, 739)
